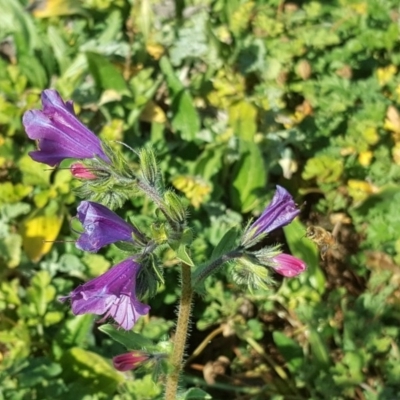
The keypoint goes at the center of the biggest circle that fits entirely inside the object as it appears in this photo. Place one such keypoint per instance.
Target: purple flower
(287, 265)
(59, 133)
(131, 360)
(280, 212)
(102, 226)
(111, 294)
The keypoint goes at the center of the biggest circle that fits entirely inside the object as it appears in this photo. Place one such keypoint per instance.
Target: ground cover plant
(231, 102)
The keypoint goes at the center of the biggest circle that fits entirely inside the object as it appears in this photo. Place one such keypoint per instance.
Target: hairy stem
(202, 273)
(180, 333)
(153, 195)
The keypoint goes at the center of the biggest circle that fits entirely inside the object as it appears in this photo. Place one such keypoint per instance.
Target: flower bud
(148, 166)
(80, 171)
(132, 360)
(176, 209)
(287, 265)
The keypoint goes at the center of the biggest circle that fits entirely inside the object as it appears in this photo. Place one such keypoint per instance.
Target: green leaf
(10, 250)
(106, 75)
(196, 394)
(129, 339)
(249, 177)
(85, 369)
(226, 243)
(318, 348)
(41, 293)
(325, 169)
(76, 331)
(185, 119)
(242, 118)
(305, 249)
(290, 350)
(182, 254)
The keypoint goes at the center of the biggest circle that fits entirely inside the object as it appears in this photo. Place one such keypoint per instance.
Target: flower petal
(59, 133)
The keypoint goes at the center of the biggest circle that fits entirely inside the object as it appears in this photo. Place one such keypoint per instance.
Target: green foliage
(234, 97)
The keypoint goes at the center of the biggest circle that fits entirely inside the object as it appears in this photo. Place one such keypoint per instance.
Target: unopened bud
(131, 360)
(148, 166)
(80, 171)
(177, 211)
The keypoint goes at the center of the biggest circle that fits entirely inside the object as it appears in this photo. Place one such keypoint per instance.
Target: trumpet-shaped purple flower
(59, 133)
(111, 294)
(287, 265)
(280, 212)
(102, 226)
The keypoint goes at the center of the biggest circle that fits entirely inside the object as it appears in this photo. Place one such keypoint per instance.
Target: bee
(324, 239)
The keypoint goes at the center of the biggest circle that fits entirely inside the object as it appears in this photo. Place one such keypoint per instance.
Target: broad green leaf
(305, 249)
(87, 369)
(319, 348)
(227, 242)
(290, 350)
(196, 394)
(242, 118)
(249, 177)
(185, 119)
(129, 339)
(34, 173)
(77, 331)
(106, 75)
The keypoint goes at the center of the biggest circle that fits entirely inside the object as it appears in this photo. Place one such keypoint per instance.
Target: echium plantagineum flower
(112, 294)
(59, 133)
(280, 212)
(102, 227)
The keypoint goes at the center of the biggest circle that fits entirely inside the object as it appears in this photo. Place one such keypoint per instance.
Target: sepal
(148, 166)
(247, 273)
(176, 210)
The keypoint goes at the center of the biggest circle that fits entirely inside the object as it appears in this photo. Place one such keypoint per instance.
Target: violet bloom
(131, 360)
(287, 265)
(102, 226)
(111, 294)
(59, 133)
(280, 212)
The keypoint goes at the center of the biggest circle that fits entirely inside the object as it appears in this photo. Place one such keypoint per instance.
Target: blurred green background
(236, 97)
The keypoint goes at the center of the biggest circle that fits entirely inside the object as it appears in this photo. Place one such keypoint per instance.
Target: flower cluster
(107, 181)
(280, 212)
(60, 135)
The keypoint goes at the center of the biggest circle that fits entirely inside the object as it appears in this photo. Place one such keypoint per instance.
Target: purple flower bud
(59, 133)
(102, 227)
(131, 360)
(80, 171)
(280, 212)
(111, 294)
(287, 265)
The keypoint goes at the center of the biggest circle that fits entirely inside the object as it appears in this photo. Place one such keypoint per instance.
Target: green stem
(180, 333)
(202, 273)
(153, 195)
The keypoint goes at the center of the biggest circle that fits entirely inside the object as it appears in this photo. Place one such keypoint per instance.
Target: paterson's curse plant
(121, 294)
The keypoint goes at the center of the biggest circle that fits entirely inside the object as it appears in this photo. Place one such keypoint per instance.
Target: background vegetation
(236, 97)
